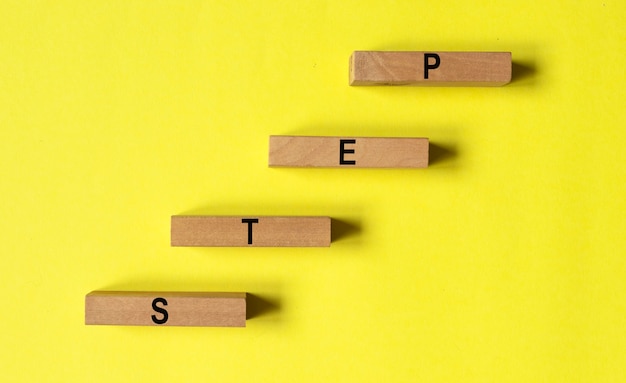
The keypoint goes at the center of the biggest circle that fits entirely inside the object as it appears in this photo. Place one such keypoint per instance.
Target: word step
(430, 68)
(132, 308)
(348, 152)
(250, 231)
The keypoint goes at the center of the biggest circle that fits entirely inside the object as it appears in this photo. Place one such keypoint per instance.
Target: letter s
(159, 310)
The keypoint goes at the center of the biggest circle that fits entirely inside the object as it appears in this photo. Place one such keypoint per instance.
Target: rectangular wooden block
(430, 68)
(131, 308)
(348, 152)
(250, 231)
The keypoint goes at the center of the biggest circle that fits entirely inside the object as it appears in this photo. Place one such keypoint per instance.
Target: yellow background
(504, 261)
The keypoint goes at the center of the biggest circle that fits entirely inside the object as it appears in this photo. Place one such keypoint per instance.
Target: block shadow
(341, 229)
(257, 306)
(522, 72)
(438, 153)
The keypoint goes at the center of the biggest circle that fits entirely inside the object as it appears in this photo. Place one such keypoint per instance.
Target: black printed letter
(428, 66)
(343, 150)
(159, 310)
(250, 221)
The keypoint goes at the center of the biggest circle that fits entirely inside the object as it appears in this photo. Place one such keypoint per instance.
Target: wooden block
(132, 308)
(250, 231)
(430, 68)
(348, 152)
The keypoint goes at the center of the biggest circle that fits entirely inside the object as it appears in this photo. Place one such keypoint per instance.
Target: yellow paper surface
(501, 262)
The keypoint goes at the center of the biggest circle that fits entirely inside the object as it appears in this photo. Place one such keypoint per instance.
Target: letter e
(343, 150)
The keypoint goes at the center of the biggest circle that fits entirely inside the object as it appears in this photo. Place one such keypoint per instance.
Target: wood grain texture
(407, 68)
(257, 231)
(348, 152)
(132, 308)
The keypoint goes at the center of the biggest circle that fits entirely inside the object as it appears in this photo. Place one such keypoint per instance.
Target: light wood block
(348, 152)
(131, 308)
(430, 68)
(250, 231)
